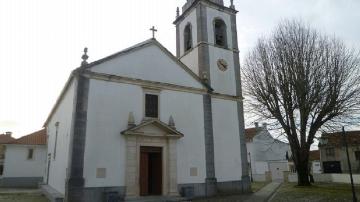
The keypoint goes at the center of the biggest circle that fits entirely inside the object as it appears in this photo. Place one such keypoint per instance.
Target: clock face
(222, 65)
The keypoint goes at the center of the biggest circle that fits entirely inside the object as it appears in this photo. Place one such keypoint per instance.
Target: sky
(41, 41)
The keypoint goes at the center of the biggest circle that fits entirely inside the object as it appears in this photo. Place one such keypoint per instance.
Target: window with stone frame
(151, 106)
(330, 152)
(187, 37)
(220, 33)
(357, 155)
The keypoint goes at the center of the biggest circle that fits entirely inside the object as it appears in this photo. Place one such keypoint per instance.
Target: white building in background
(4, 139)
(143, 122)
(267, 156)
(24, 163)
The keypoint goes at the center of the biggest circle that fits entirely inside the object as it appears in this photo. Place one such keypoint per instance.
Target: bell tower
(207, 43)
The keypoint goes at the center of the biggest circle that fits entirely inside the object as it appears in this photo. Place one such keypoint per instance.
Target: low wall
(330, 177)
(345, 178)
(259, 177)
(20, 182)
(292, 177)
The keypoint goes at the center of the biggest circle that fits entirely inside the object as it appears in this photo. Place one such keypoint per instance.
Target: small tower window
(187, 37)
(220, 33)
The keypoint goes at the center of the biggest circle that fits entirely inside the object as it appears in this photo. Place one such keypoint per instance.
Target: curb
(271, 196)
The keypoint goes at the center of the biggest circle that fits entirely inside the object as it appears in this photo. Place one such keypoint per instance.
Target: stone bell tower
(206, 41)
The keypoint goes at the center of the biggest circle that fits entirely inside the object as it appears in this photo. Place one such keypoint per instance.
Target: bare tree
(306, 82)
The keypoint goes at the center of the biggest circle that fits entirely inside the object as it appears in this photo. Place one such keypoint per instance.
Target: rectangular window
(1, 169)
(357, 155)
(30, 154)
(151, 105)
(330, 152)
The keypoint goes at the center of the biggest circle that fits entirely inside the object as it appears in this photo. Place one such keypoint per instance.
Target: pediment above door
(153, 128)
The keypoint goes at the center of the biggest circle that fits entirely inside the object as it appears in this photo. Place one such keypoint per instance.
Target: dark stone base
(211, 186)
(98, 194)
(190, 191)
(198, 190)
(246, 183)
(20, 182)
(231, 187)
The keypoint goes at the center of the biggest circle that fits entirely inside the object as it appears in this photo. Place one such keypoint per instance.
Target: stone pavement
(265, 193)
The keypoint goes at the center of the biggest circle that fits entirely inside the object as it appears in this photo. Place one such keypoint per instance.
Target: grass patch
(5, 197)
(256, 186)
(318, 192)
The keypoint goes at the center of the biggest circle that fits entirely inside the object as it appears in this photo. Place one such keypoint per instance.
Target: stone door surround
(151, 133)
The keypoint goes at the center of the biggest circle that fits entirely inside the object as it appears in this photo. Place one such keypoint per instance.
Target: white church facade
(143, 122)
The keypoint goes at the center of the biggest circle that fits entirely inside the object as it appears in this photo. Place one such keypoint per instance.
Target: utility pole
(349, 164)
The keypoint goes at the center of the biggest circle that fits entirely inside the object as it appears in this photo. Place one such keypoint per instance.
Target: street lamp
(251, 177)
(349, 164)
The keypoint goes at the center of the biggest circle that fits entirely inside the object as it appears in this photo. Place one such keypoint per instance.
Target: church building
(143, 122)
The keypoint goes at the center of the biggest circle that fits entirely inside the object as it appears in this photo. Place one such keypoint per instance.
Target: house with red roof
(24, 162)
(4, 139)
(333, 153)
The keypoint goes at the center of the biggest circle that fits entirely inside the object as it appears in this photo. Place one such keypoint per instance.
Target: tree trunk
(303, 174)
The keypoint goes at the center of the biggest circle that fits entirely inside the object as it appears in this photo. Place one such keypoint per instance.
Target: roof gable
(150, 61)
(6, 139)
(36, 138)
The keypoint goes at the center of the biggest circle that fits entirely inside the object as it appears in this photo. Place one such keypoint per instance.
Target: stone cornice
(156, 85)
(207, 3)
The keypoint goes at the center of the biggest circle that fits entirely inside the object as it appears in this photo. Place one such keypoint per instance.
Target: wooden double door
(150, 171)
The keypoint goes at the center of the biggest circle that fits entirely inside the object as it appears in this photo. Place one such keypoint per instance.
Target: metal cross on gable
(153, 31)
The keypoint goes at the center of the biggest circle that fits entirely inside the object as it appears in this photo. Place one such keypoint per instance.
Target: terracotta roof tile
(335, 139)
(6, 139)
(314, 155)
(250, 134)
(36, 138)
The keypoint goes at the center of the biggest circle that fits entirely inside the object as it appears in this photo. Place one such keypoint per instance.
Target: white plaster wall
(316, 167)
(148, 63)
(261, 167)
(222, 81)
(109, 105)
(187, 111)
(16, 162)
(191, 60)
(267, 149)
(251, 158)
(212, 14)
(63, 115)
(226, 140)
(190, 18)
